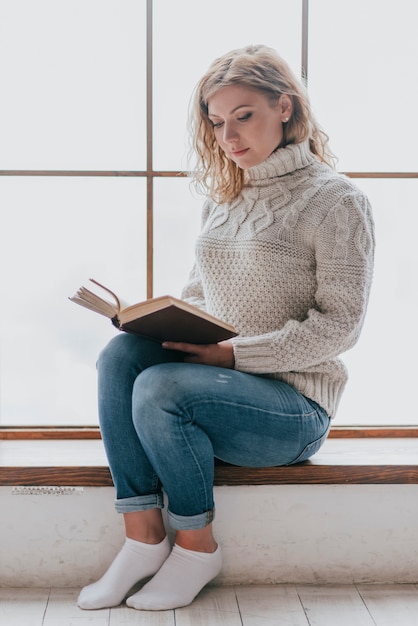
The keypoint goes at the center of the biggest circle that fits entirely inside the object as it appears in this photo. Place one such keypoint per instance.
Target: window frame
(80, 432)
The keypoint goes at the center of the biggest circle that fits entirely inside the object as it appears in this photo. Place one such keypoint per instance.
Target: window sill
(341, 460)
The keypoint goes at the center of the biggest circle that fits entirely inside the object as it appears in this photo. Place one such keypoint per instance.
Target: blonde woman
(285, 254)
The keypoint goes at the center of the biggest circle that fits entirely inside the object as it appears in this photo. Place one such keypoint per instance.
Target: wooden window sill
(341, 460)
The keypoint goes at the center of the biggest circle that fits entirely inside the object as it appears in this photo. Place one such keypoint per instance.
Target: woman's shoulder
(333, 187)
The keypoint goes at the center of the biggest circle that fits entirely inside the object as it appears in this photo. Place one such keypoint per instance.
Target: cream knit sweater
(289, 263)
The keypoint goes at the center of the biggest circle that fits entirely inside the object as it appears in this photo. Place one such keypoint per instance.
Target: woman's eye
(217, 125)
(245, 117)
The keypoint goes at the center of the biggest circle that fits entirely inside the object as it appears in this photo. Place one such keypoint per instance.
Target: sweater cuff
(256, 358)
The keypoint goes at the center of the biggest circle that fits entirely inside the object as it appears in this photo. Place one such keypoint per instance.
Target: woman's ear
(285, 107)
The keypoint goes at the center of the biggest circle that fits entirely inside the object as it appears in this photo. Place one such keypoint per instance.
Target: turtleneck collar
(282, 161)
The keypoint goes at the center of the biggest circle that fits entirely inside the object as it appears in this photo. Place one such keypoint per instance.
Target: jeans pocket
(311, 448)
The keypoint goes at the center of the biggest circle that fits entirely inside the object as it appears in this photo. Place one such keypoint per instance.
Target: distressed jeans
(163, 421)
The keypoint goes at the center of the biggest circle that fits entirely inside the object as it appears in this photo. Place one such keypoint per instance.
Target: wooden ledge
(76, 462)
(93, 432)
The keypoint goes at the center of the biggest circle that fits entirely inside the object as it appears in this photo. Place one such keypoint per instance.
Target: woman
(285, 254)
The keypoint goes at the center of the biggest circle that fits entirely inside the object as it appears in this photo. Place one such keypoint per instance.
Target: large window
(93, 138)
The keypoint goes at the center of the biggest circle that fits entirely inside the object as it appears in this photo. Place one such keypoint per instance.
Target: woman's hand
(219, 354)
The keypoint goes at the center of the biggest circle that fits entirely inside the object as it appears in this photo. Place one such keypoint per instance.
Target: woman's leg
(137, 485)
(187, 414)
(184, 416)
(118, 366)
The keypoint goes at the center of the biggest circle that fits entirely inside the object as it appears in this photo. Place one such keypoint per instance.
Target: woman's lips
(238, 153)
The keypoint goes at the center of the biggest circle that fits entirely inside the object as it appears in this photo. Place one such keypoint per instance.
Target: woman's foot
(178, 581)
(135, 561)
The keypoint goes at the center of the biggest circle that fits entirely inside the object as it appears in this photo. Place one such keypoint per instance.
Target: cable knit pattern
(289, 263)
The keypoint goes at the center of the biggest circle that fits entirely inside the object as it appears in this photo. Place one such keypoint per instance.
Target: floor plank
(125, 616)
(20, 607)
(391, 604)
(277, 605)
(327, 605)
(62, 610)
(214, 606)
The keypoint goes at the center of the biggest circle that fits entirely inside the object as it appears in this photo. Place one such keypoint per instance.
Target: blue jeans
(163, 421)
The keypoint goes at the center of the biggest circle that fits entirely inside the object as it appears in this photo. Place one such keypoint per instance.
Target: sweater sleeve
(344, 251)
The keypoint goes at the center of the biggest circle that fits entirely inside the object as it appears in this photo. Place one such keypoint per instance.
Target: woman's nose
(230, 133)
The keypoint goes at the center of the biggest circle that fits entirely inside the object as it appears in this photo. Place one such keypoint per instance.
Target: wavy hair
(258, 67)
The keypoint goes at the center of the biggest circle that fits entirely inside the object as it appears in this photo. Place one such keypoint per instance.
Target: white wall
(306, 534)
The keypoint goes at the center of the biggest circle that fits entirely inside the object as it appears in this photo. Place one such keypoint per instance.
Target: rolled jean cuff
(191, 522)
(139, 503)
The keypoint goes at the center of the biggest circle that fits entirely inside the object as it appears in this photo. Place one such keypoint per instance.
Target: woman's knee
(154, 384)
(121, 357)
(117, 348)
(159, 390)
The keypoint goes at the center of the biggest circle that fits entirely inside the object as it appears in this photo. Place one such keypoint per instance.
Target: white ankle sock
(135, 561)
(179, 580)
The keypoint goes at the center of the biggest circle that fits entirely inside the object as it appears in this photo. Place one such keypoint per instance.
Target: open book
(164, 318)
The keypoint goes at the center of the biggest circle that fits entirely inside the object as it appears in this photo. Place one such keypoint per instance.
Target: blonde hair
(261, 68)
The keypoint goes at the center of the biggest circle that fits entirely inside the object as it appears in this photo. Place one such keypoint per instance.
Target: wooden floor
(272, 605)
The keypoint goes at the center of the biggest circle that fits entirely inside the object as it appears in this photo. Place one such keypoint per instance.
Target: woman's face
(247, 126)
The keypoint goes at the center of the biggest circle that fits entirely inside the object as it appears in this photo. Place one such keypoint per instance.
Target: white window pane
(57, 233)
(362, 81)
(202, 32)
(177, 217)
(72, 75)
(383, 365)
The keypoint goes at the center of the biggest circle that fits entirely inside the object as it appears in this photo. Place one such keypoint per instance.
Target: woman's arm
(344, 252)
